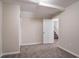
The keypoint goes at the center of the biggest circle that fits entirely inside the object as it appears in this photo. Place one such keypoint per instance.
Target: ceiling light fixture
(50, 5)
(43, 3)
(38, 1)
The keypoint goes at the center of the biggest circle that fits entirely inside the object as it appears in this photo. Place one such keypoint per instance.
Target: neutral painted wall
(69, 29)
(0, 28)
(10, 34)
(32, 29)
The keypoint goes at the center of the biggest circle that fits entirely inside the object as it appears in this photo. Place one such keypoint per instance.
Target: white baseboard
(69, 51)
(30, 44)
(9, 53)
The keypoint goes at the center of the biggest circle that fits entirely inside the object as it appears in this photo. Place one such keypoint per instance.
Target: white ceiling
(32, 6)
(62, 3)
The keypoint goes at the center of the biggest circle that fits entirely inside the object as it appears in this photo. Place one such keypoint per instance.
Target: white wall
(0, 28)
(10, 35)
(69, 29)
(32, 29)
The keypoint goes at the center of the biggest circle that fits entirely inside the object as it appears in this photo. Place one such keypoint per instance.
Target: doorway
(50, 30)
(56, 29)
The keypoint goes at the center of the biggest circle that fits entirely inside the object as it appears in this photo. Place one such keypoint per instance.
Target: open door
(48, 31)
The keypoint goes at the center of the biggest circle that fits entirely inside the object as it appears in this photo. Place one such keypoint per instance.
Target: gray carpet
(41, 51)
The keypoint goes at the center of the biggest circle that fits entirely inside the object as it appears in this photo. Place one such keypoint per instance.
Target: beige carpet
(41, 51)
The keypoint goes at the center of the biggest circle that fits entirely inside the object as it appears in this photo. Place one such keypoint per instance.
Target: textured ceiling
(41, 10)
(62, 3)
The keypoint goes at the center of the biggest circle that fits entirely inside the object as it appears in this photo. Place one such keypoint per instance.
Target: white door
(48, 31)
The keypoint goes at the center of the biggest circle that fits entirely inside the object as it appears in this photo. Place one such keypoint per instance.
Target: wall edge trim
(31, 44)
(9, 53)
(68, 51)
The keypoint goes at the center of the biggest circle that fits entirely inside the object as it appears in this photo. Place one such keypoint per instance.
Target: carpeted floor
(41, 51)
